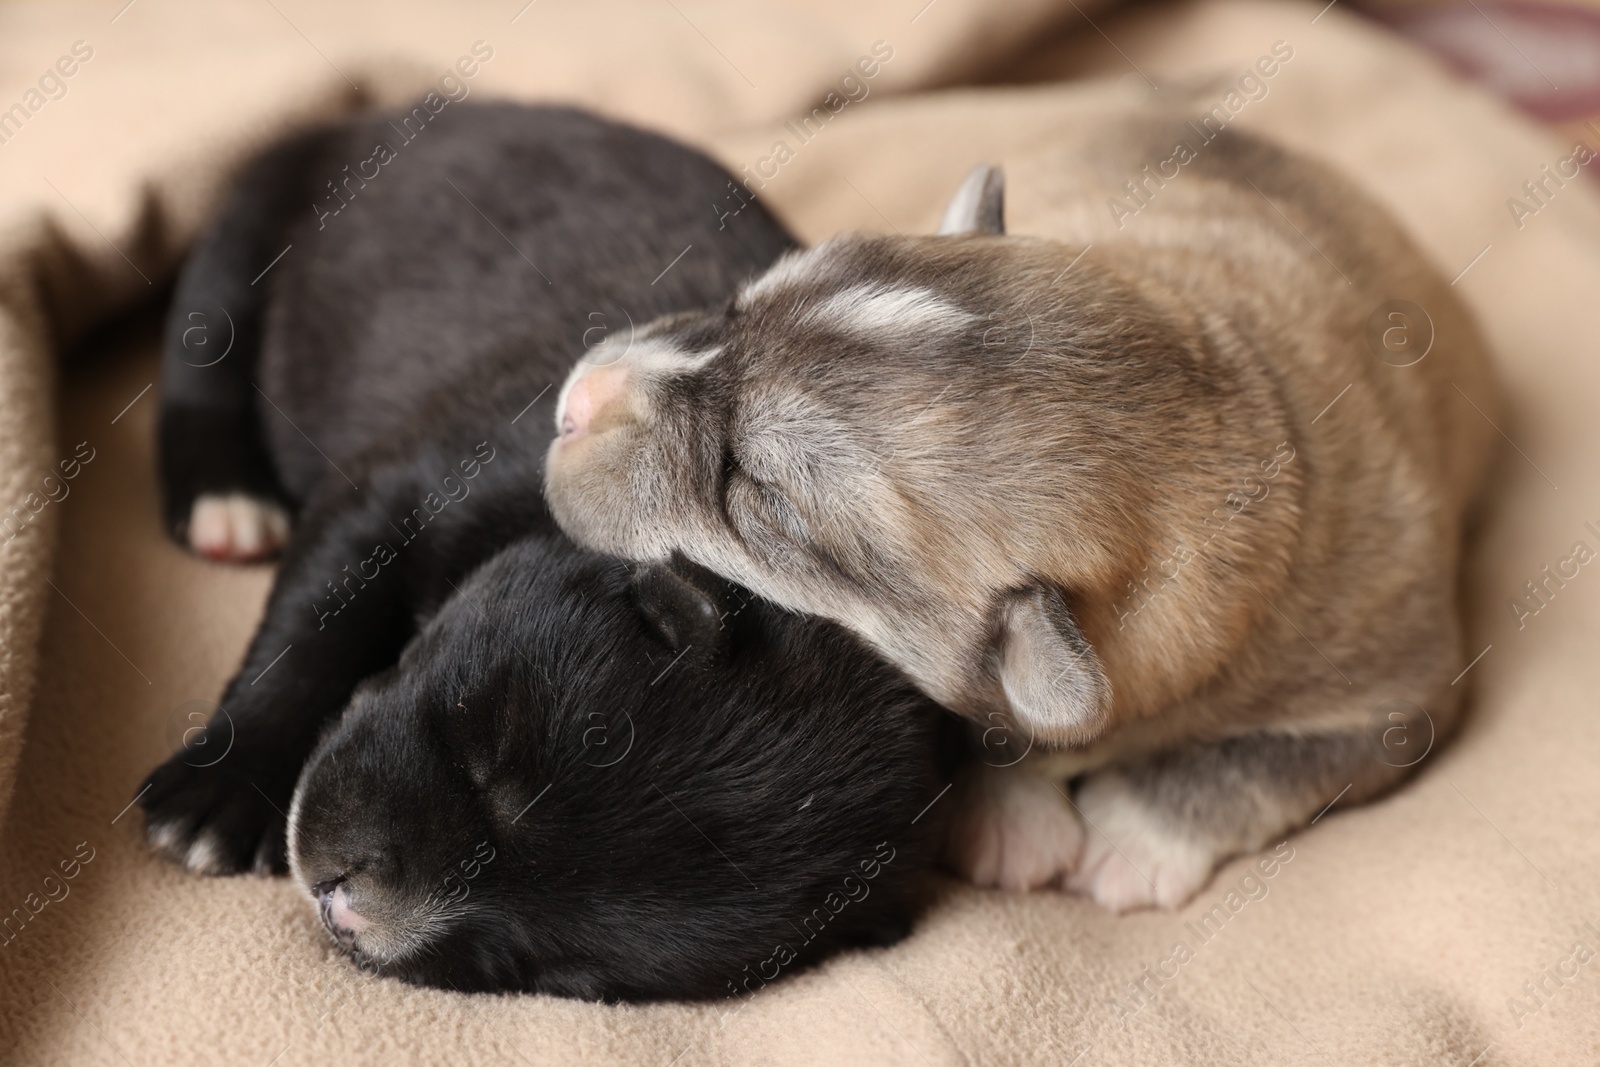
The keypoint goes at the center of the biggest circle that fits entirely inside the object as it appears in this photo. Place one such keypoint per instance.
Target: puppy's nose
(342, 920)
(588, 397)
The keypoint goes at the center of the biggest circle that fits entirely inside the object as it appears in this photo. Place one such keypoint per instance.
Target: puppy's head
(610, 782)
(841, 438)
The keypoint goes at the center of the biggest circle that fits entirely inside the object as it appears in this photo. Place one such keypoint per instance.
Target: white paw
(1131, 859)
(166, 837)
(204, 855)
(237, 528)
(1013, 829)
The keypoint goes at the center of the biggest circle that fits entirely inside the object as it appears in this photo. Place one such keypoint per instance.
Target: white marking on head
(880, 309)
(793, 269)
(665, 358)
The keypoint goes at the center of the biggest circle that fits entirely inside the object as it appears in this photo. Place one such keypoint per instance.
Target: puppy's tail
(221, 492)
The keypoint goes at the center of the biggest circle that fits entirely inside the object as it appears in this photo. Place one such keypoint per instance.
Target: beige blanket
(1456, 923)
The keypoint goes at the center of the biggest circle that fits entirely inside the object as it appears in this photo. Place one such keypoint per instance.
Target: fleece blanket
(1455, 923)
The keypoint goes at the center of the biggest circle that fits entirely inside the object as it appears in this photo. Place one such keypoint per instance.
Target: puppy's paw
(1130, 858)
(1013, 829)
(212, 820)
(236, 528)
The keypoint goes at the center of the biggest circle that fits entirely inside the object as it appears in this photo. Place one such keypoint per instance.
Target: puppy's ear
(1052, 676)
(683, 602)
(979, 206)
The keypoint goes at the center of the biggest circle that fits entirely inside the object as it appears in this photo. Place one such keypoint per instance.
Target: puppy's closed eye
(465, 731)
(758, 508)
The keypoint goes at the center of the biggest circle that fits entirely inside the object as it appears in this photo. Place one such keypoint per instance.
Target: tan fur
(980, 500)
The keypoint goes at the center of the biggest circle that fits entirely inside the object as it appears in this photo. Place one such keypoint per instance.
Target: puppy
(1156, 488)
(556, 772)
(582, 783)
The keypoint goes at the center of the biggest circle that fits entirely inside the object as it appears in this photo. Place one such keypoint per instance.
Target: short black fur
(391, 380)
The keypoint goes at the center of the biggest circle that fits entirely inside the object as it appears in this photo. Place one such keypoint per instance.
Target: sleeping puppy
(1153, 489)
(557, 772)
(582, 783)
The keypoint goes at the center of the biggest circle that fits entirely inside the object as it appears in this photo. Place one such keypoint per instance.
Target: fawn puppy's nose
(343, 921)
(587, 397)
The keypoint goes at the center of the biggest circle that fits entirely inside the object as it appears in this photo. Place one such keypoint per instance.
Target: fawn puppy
(1148, 486)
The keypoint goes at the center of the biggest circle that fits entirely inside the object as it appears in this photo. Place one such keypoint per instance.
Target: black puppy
(579, 777)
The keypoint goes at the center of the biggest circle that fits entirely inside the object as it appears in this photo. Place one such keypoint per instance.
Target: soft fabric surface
(1455, 923)
(1544, 54)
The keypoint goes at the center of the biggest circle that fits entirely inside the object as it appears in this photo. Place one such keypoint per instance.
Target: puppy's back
(515, 220)
(1166, 198)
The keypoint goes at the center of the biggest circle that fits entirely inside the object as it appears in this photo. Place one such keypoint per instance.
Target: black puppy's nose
(333, 904)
